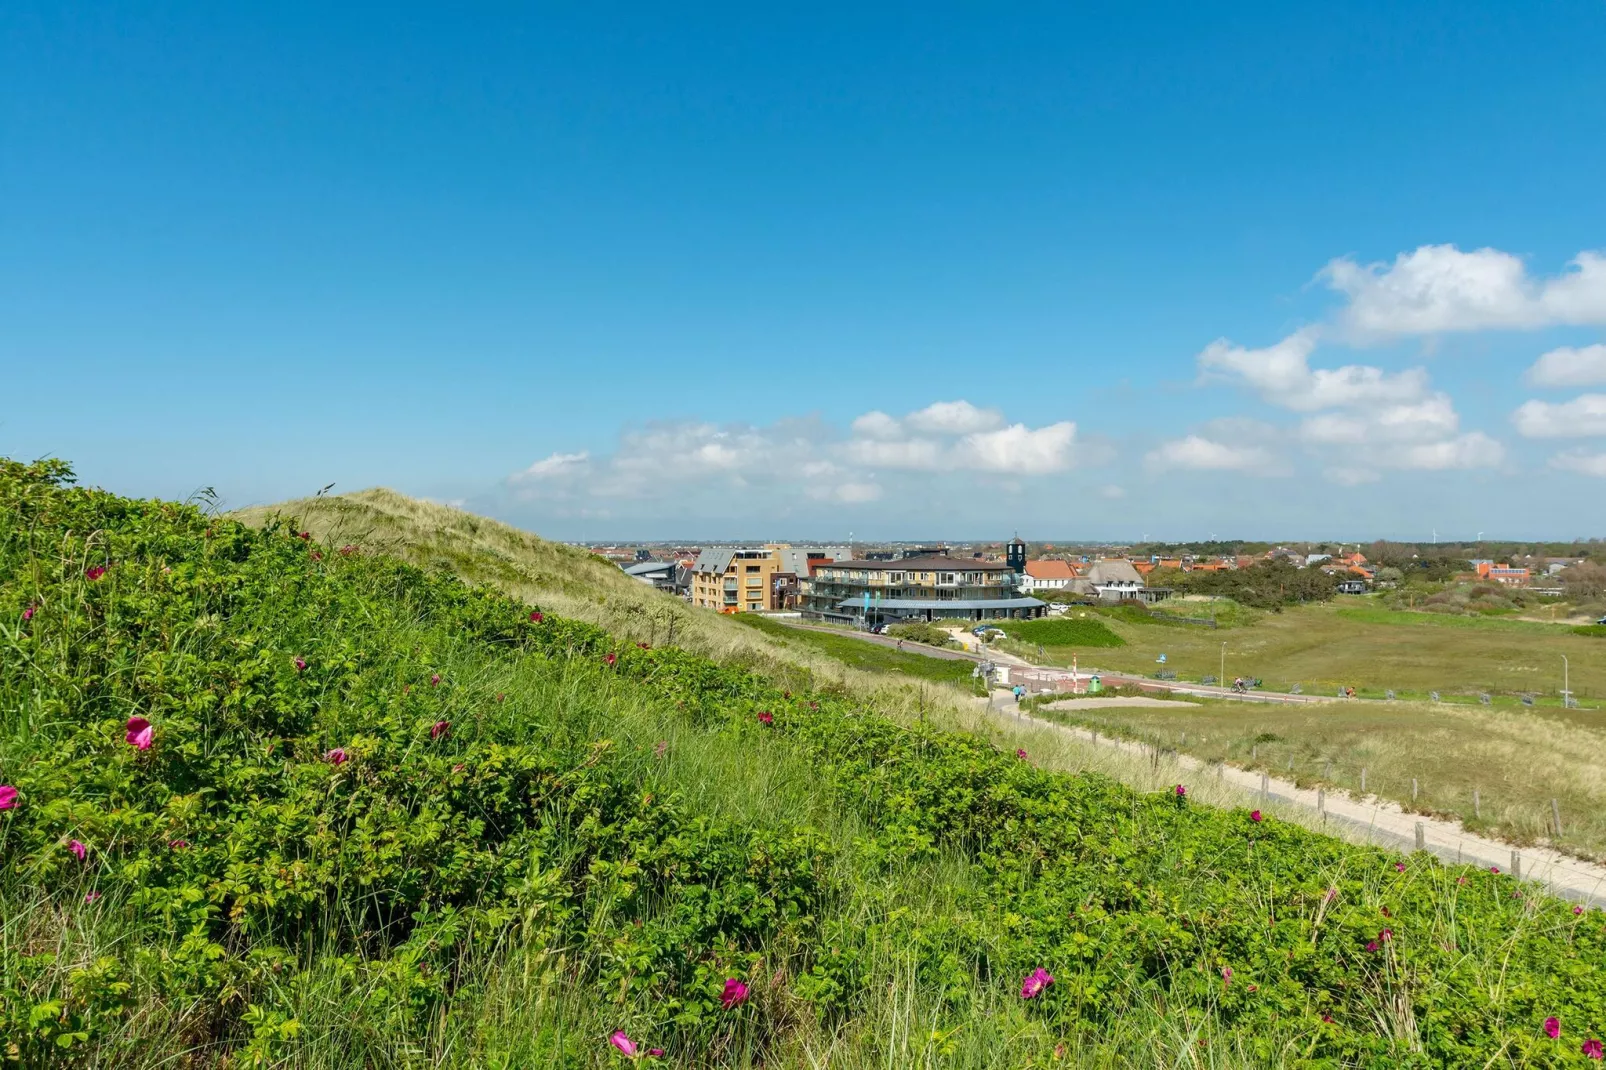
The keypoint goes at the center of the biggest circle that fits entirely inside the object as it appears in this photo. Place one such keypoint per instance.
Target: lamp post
(1566, 691)
(1221, 681)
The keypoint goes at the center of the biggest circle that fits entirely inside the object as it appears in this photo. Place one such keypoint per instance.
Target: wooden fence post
(1265, 787)
(1516, 864)
(1421, 837)
(1363, 780)
(1413, 789)
(1477, 805)
(1555, 812)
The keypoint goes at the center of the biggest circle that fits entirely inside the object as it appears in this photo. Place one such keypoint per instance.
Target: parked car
(1601, 621)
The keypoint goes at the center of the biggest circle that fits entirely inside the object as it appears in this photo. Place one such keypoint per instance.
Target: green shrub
(923, 632)
(1596, 630)
(245, 899)
(1063, 631)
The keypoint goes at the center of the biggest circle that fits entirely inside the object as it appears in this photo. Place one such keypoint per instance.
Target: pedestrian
(900, 644)
(1019, 691)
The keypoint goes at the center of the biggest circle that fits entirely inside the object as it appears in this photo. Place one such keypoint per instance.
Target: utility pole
(1221, 681)
(1566, 691)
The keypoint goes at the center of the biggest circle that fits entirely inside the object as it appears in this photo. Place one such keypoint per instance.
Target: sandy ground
(1376, 821)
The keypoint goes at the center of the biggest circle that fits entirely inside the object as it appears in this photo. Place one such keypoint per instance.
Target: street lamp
(1566, 691)
(1221, 681)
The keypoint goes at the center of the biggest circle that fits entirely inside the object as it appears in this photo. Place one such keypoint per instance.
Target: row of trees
(1266, 585)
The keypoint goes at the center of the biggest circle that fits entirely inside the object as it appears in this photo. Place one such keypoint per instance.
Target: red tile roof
(1050, 570)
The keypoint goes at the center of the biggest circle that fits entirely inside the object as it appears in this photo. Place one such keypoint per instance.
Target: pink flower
(317, 555)
(139, 732)
(1552, 1027)
(1399, 867)
(434, 679)
(656, 1053)
(1226, 974)
(1578, 909)
(304, 535)
(1371, 945)
(644, 646)
(1021, 754)
(1332, 894)
(1182, 792)
(95, 573)
(609, 659)
(8, 797)
(439, 729)
(1328, 1018)
(765, 717)
(623, 1043)
(1254, 815)
(27, 614)
(735, 994)
(1035, 982)
(300, 664)
(1386, 935)
(91, 897)
(1494, 869)
(1460, 880)
(347, 550)
(178, 845)
(79, 850)
(1593, 1049)
(336, 756)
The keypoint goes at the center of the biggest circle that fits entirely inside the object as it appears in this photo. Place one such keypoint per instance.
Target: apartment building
(933, 587)
(740, 579)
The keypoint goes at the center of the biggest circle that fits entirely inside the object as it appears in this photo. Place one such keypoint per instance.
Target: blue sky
(1257, 269)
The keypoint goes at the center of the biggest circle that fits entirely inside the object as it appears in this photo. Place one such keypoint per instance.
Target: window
(754, 568)
(946, 577)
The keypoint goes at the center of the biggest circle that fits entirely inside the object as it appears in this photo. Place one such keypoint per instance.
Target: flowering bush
(269, 822)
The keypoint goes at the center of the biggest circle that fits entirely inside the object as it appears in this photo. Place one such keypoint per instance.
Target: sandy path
(1370, 819)
(1115, 702)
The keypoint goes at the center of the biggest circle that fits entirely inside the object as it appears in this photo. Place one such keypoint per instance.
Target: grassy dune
(368, 816)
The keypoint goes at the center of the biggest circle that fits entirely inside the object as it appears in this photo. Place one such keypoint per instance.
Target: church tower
(1015, 554)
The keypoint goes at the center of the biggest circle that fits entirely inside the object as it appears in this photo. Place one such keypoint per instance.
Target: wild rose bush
(235, 862)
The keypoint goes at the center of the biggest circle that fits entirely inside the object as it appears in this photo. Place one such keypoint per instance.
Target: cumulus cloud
(794, 459)
(1570, 367)
(1438, 288)
(1281, 374)
(1433, 418)
(1582, 417)
(953, 418)
(1580, 461)
(1203, 454)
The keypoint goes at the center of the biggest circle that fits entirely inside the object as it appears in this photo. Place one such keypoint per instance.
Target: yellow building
(734, 579)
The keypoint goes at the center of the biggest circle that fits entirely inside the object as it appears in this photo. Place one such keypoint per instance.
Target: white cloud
(1438, 288)
(916, 453)
(952, 418)
(1202, 454)
(1281, 374)
(1581, 417)
(556, 466)
(847, 493)
(1581, 461)
(1474, 450)
(1018, 448)
(1433, 418)
(1112, 492)
(877, 424)
(1570, 367)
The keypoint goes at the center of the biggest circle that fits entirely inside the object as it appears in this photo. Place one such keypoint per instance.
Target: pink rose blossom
(300, 664)
(1593, 1049)
(623, 1043)
(90, 897)
(439, 729)
(1371, 945)
(1035, 982)
(1578, 909)
(536, 617)
(8, 797)
(78, 849)
(336, 757)
(139, 732)
(1182, 792)
(1399, 867)
(95, 573)
(1552, 1027)
(1386, 935)
(435, 679)
(1021, 754)
(1226, 974)
(765, 717)
(178, 845)
(735, 994)
(656, 1053)
(609, 659)
(1254, 815)
(27, 614)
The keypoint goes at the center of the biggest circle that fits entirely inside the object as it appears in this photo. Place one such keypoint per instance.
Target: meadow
(1352, 643)
(271, 801)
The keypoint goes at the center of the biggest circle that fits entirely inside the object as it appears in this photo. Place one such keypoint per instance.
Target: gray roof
(1113, 570)
(934, 603)
(932, 563)
(644, 567)
(714, 560)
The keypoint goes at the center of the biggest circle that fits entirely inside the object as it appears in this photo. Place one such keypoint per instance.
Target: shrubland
(271, 801)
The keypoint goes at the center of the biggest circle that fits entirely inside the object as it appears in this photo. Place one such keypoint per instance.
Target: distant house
(868, 593)
(1504, 574)
(1115, 579)
(1352, 585)
(1047, 575)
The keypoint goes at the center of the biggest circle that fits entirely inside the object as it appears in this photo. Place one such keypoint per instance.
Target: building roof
(644, 567)
(1050, 570)
(714, 560)
(929, 563)
(1113, 569)
(935, 603)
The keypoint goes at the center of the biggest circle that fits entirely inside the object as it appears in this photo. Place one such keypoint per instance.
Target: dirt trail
(1371, 819)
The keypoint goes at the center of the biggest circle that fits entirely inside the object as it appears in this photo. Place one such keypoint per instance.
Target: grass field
(867, 656)
(1517, 760)
(1352, 644)
(271, 804)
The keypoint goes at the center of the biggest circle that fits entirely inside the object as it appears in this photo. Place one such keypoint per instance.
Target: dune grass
(866, 656)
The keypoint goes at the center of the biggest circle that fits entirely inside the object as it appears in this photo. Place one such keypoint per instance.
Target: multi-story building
(741, 579)
(932, 587)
